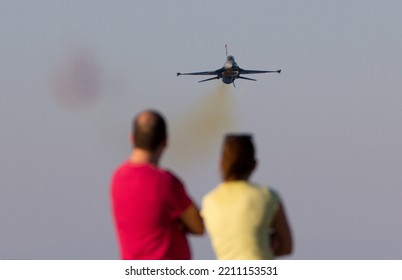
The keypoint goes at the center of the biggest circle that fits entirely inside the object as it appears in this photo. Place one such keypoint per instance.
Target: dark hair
(149, 130)
(238, 156)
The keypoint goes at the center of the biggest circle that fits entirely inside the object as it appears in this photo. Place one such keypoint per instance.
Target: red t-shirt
(147, 202)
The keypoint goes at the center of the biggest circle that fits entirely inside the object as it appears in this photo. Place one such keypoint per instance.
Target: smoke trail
(199, 131)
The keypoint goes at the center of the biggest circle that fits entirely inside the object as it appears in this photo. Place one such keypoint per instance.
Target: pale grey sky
(327, 129)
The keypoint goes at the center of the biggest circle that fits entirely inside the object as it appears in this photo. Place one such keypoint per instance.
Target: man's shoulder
(120, 168)
(169, 174)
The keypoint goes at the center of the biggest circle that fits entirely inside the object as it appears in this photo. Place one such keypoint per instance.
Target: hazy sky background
(327, 129)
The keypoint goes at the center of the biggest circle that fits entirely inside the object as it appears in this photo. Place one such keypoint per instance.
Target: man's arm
(192, 220)
(282, 237)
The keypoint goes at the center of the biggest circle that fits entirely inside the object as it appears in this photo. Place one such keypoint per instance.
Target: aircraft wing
(244, 71)
(216, 72)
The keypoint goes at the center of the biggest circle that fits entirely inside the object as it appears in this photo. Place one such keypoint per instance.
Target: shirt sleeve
(275, 201)
(178, 199)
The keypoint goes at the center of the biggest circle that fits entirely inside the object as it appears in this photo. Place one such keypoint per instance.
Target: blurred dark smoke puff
(76, 83)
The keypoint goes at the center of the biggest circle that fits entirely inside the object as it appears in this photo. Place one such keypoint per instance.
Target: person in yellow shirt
(244, 221)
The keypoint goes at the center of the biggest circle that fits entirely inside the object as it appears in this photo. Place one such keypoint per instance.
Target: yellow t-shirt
(238, 217)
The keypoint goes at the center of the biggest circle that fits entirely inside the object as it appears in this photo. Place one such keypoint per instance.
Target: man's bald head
(149, 130)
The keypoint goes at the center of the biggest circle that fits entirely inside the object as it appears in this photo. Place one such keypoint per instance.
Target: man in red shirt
(152, 211)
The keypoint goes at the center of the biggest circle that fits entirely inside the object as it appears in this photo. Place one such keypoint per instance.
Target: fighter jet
(229, 72)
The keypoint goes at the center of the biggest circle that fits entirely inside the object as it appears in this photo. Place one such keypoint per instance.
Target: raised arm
(281, 239)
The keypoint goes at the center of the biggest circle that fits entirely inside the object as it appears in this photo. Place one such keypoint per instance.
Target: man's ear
(131, 139)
